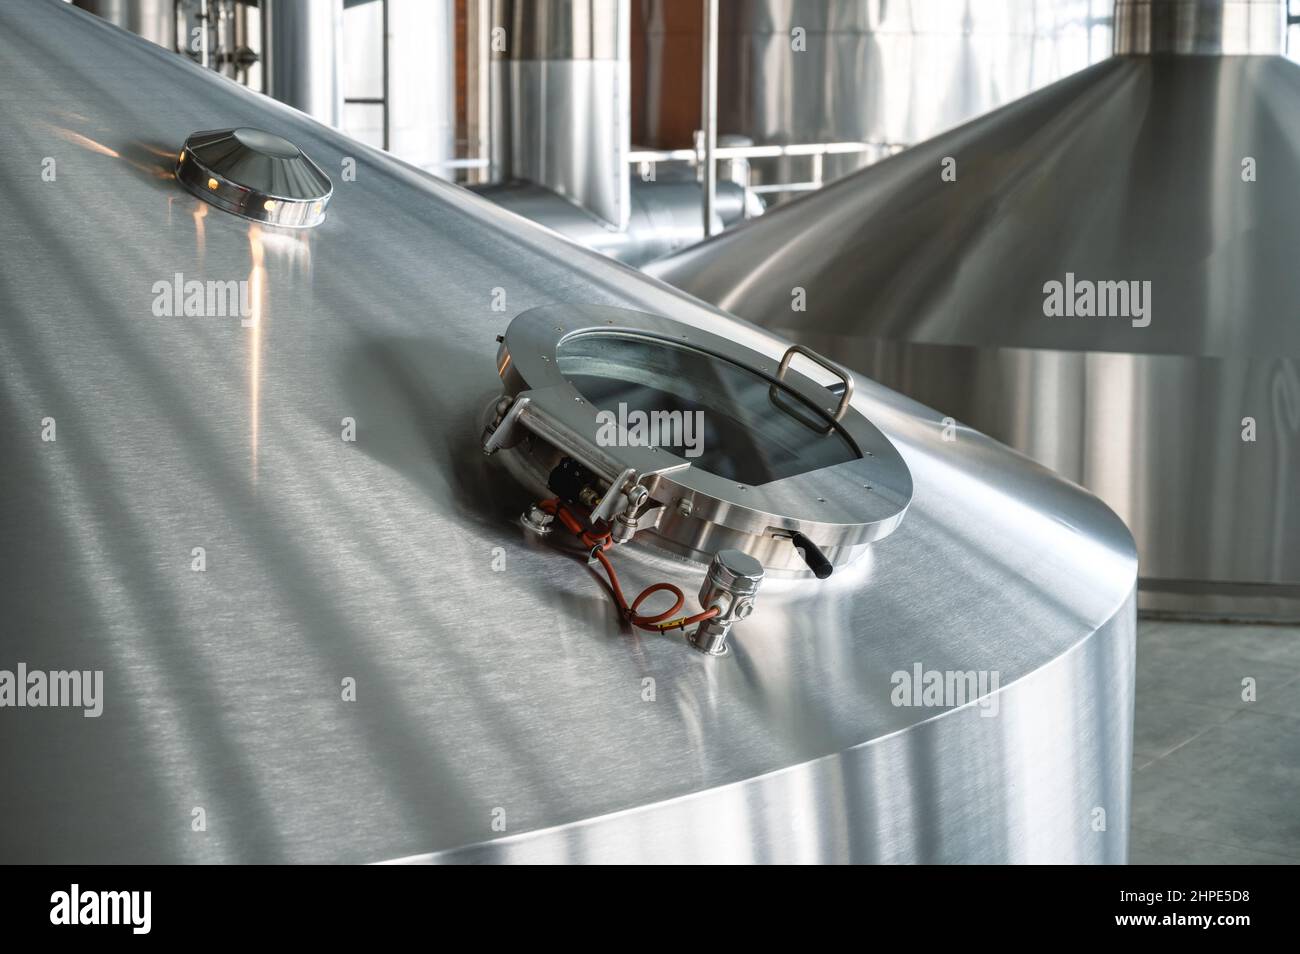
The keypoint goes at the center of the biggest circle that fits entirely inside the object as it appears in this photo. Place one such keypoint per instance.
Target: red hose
(600, 542)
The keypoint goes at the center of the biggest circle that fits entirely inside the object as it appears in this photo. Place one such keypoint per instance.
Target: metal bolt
(537, 520)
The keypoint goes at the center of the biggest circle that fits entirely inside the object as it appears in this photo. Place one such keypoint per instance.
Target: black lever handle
(812, 555)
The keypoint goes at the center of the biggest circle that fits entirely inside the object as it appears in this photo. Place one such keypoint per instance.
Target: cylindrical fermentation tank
(323, 634)
(885, 73)
(1098, 274)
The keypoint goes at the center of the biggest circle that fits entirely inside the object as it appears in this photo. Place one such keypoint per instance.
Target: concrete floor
(1216, 778)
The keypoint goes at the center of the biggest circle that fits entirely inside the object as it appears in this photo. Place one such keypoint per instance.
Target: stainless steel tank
(323, 636)
(561, 120)
(1166, 174)
(560, 100)
(881, 72)
(304, 55)
(665, 216)
(155, 20)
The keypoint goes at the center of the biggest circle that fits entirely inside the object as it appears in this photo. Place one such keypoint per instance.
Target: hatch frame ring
(542, 417)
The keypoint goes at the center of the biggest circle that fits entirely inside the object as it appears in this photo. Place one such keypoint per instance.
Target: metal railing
(647, 159)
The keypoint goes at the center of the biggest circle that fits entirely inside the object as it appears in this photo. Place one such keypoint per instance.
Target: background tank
(880, 73)
(1171, 164)
(664, 217)
(499, 713)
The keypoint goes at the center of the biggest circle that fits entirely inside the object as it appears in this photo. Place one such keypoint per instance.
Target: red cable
(599, 543)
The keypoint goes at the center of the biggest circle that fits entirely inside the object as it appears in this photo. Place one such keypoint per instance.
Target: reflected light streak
(290, 250)
(200, 231)
(157, 151)
(85, 142)
(92, 145)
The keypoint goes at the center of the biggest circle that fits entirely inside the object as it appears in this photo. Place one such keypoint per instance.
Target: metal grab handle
(826, 363)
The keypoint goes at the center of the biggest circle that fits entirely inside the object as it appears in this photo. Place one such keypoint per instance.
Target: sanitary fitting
(537, 520)
(730, 586)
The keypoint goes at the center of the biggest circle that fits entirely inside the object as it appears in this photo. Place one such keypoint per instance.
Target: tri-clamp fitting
(731, 586)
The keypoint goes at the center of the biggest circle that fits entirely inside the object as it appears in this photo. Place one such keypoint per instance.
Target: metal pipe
(777, 188)
(240, 64)
(224, 54)
(709, 111)
(478, 96)
(264, 39)
(638, 156)
(385, 93)
(203, 33)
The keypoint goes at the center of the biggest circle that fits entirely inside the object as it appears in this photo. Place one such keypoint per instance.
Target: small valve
(730, 585)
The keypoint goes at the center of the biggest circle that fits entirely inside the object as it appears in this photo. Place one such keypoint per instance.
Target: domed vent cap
(255, 174)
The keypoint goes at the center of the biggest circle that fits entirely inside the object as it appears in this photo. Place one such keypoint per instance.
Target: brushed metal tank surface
(501, 713)
(1133, 170)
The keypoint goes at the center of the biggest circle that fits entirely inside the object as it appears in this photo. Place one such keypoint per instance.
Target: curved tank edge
(758, 819)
